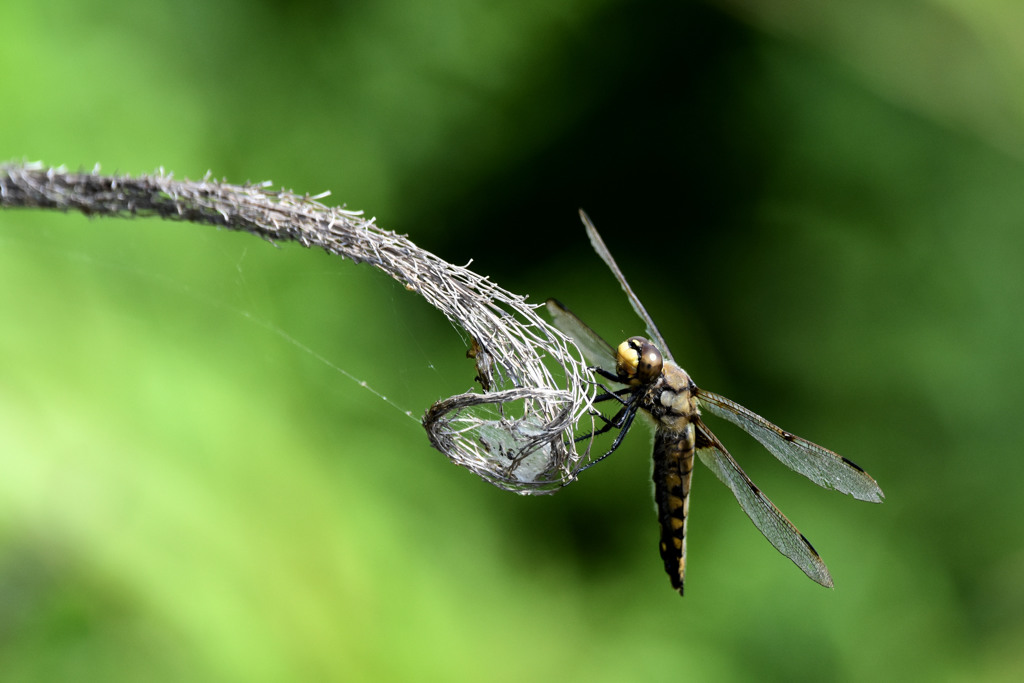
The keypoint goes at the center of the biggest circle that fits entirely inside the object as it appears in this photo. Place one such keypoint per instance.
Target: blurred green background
(821, 203)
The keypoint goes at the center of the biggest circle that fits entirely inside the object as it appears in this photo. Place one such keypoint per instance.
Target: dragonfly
(654, 384)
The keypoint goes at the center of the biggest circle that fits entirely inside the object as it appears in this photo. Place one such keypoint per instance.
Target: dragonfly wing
(825, 468)
(596, 350)
(634, 300)
(779, 531)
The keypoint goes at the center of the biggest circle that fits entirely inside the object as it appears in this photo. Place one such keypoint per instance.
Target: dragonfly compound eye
(650, 364)
(638, 361)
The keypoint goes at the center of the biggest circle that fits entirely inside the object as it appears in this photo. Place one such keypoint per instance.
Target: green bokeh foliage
(821, 205)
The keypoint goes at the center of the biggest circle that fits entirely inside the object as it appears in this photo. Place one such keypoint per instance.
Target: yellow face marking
(628, 359)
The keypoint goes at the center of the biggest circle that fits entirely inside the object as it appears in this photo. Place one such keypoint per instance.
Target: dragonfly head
(638, 361)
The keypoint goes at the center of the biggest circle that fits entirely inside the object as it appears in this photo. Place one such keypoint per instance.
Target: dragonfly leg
(607, 374)
(627, 420)
(613, 422)
(609, 395)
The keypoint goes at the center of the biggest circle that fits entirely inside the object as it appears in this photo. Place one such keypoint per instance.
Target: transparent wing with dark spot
(825, 468)
(597, 351)
(762, 512)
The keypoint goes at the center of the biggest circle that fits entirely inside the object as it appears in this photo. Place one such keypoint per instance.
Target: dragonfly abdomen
(673, 467)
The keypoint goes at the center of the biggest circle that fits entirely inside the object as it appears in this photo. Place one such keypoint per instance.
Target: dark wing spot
(809, 546)
(853, 464)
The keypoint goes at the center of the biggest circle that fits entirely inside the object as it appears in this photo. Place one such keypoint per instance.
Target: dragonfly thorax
(638, 362)
(671, 400)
